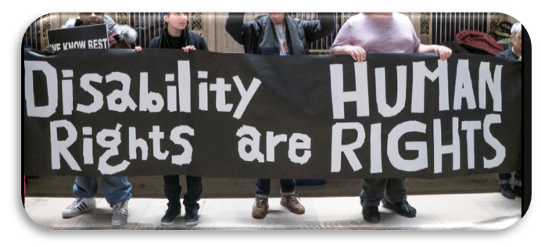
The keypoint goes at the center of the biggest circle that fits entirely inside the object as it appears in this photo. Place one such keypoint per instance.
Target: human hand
(188, 48)
(443, 51)
(49, 49)
(138, 48)
(356, 52)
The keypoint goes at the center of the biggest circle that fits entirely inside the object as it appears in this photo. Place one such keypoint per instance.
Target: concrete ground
(468, 202)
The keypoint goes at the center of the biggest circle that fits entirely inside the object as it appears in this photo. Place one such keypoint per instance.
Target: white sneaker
(120, 214)
(79, 206)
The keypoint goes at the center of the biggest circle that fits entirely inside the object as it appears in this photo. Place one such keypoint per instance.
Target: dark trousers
(518, 173)
(393, 189)
(173, 189)
(287, 186)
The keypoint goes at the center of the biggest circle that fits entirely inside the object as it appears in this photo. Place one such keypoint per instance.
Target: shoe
(517, 190)
(259, 210)
(506, 191)
(170, 216)
(120, 214)
(79, 206)
(371, 214)
(403, 208)
(192, 217)
(292, 203)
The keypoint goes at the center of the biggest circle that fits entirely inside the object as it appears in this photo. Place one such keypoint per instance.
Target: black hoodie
(188, 38)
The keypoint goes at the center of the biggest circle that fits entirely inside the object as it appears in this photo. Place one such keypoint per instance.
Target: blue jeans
(172, 190)
(115, 189)
(287, 187)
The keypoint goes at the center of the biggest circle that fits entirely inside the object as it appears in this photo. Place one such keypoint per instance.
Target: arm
(234, 25)
(343, 44)
(356, 52)
(443, 51)
(318, 29)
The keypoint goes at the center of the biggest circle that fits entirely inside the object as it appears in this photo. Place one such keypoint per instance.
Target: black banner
(239, 115)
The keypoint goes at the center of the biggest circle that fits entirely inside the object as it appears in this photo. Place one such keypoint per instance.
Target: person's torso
(393, 34)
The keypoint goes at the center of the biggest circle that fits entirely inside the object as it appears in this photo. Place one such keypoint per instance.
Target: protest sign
(81, 37)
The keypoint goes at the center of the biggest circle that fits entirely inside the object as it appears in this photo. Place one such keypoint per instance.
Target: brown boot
(291, 203)
(259, 210)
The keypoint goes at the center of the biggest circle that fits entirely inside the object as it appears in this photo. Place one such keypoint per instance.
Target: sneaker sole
(80, 212)
(193, 223)
(385, 205)
(170, 223)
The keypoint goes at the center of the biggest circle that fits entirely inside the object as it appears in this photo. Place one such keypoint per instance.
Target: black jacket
(161, 42)
(299, 33)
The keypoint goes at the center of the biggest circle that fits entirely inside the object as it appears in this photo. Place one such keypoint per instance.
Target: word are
(250, 137)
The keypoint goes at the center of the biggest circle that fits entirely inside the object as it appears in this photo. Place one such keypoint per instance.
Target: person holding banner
(119, 36)
(116, 189)
(277, 34)
(382, 33)
(175, 35)
(513, 53)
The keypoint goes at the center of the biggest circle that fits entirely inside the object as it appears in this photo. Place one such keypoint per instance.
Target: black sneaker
(507, 191)
(517, 190)
(191, 217)
(403, 208)
(371, 214)
(170, 216)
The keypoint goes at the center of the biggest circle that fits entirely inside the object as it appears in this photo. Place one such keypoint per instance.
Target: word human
(464, 85)
(178, 96)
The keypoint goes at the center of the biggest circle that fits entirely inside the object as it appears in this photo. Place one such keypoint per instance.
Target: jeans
(287, 187)
(115, 189)
(172, 190)
(393, 189)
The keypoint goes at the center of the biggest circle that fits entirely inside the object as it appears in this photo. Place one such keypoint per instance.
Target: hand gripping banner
(118, 112)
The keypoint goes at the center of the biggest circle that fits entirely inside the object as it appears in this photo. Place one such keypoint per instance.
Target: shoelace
(258, 202)
(294, 198)
(75, 203)
(119, 205)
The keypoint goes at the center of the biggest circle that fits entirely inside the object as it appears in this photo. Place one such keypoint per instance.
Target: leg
(287, 186)
(172, 190)
(289, 198)
(517, 190)
(395, 198)
(262, 192)
(505, 186)
(85, 187)
(193, 192)
(116, 189)
(372, 192)
(371, 195)
(396, 190)
(263, 188)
